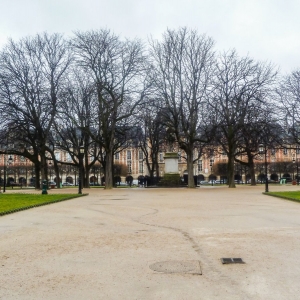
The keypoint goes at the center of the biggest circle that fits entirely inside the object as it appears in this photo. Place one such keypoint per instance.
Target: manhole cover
(232, 261)
(177, 266)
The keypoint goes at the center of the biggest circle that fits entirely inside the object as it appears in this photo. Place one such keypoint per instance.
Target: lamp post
(263, 149)
(81, 154)
(6, 162)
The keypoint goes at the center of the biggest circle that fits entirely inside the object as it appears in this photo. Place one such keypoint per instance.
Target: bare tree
(116, 68)
(260, 127)
(289, 95)
(182, 65)
(75, 119)
(152, 135)
(241, 86)
(32, 73)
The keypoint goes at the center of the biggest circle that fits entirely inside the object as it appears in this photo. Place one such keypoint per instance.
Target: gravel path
(154, 244)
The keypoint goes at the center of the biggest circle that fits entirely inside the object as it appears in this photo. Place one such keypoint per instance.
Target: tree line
(101, 93)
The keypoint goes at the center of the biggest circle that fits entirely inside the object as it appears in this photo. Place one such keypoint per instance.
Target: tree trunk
(231, 183)
(37, 175)
(190, 169)
(43, 166)
(108, 170)
(85, 172)
(231, 152)
(252, 171)
(56, 171)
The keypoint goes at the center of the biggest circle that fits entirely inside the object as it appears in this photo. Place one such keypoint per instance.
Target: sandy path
(101, 246)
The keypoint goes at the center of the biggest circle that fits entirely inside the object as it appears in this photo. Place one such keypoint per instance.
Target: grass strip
(10, 203)
(288, 195)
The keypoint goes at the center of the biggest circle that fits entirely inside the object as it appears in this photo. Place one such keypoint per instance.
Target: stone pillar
(171, 162)
(171, 177)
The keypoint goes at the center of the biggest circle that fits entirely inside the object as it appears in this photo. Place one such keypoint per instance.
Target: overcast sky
(267, 30)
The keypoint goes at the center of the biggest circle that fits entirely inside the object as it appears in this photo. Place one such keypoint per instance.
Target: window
(273, 151)
(128, 155)
(117, 156)
(285, 151)
(298, 150)
(129, 169)
(141, 155)
(211, 162)
(161, 158)
(10, 159)
(22, 158)
(68, 157)
(141, 167)
(200, 165)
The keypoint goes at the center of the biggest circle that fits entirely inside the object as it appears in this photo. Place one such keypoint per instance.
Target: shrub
(170, 180)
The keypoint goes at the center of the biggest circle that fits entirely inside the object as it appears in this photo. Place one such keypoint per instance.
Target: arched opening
(55, 180)
(93, 180)
(223, 179)
(141, 180)
(69, 179)
(248, 178)
(287, 177)
(261, 177)
(274, 177)
(32, 181)
(212, 177)
(10, 180)
(200, 177)
(22, 181)
(238, 178)
(117, 180)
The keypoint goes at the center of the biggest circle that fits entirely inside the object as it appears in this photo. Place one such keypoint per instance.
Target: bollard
(44, 188)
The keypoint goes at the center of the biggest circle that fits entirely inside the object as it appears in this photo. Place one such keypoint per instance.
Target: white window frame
(129, 167)
(128, 154)
(141, 167)
(200, 165)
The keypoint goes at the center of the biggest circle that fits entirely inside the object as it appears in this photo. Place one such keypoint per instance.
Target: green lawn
(10, 203)
(294, 196)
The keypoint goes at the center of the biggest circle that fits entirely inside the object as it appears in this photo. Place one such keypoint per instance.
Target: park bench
(12, 184)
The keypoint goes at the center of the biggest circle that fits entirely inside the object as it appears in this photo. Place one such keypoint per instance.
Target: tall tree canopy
(182, 71)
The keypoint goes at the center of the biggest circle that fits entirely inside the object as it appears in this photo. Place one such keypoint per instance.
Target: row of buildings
(280, 162)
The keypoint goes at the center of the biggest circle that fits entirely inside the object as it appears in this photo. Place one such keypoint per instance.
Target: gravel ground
(153, 244)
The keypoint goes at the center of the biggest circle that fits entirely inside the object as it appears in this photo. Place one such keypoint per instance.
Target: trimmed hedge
(170, 180)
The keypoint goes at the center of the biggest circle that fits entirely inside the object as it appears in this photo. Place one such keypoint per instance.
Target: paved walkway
(111, 244)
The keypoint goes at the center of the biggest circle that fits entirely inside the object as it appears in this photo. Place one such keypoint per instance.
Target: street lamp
(81, 154)
(262, 149)
(6, 162)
